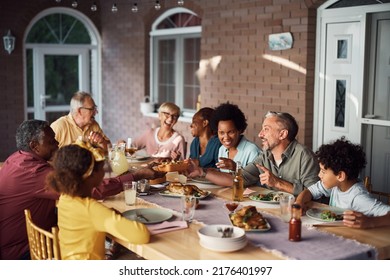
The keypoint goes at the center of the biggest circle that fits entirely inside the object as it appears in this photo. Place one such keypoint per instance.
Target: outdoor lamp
(9, 42)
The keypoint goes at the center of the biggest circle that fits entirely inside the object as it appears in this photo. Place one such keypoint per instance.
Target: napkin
(247, 192)
(167, 226)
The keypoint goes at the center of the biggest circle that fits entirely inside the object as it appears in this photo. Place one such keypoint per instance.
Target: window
(175, 45)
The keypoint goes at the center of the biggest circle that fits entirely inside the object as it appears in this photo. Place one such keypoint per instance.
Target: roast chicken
(248, 218)
(179, 188)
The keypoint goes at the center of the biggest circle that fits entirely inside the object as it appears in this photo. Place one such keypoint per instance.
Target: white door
(377, 110)
(58, 73)
(342, 93)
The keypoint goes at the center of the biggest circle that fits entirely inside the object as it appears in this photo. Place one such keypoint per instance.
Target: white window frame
(179, 34)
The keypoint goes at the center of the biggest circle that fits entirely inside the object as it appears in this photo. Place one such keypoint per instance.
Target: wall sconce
(9, 42)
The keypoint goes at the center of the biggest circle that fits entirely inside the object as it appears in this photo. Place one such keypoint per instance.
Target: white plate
(138, 158)
(170, 194)
(252, 195)
(201, 180)
(153, 215)
(315, 213)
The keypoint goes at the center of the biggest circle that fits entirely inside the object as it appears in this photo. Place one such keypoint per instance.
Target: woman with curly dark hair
(230, 123)
(340, 164)
(82, 220)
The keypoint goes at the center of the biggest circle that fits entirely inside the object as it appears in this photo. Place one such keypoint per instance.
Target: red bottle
(295, 224)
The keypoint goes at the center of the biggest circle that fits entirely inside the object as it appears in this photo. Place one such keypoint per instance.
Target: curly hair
(342, 155)
(229, 112)
(70, 163)
(30, 130)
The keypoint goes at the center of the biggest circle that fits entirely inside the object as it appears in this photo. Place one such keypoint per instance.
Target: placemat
(315, 244)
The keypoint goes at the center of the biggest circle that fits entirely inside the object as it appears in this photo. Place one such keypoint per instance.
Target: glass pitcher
(118, 161)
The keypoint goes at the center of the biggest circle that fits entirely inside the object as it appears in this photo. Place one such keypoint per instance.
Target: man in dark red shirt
(22, 186)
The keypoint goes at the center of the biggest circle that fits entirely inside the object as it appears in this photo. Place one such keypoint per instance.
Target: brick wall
(235, 30)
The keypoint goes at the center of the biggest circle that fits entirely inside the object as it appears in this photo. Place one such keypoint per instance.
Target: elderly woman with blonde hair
(164, 141)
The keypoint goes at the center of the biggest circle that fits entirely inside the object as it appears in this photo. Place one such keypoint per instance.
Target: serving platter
(171, 194)
(148, 215)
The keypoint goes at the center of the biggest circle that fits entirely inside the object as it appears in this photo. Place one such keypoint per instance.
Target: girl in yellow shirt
(83, 222)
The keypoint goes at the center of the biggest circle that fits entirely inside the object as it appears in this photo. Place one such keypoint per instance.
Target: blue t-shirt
(210, 157)
(356, 198)
(247, 152)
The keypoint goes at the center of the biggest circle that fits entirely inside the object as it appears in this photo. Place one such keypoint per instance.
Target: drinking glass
(285, 202)
(187, 205)
(130, 189)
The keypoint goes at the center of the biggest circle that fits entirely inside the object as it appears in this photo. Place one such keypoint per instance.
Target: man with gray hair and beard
(80, 122)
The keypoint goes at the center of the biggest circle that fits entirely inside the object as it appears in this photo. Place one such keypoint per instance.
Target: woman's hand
(226, 163)
(194, 170)
(175, 155)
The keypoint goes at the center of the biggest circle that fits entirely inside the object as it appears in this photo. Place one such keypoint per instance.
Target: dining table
(320, 240)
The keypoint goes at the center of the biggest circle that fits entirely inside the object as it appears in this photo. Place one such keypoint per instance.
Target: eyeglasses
(173, 116)
(94, 108)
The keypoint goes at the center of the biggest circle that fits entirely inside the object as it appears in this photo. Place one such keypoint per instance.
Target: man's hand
(267, 177)
(147, 173)
(356, 219)
(97, 139)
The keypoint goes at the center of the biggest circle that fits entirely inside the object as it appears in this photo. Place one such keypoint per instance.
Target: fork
(226, 232)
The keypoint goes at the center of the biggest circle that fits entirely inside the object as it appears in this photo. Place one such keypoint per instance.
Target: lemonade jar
(118, 161)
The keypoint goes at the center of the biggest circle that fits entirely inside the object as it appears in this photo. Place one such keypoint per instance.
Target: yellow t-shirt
(66, 130)
(83, 223)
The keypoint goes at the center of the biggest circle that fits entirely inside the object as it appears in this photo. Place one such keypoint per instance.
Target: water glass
(130, 189)
(285, 202)
(143, 186)
(187, 205)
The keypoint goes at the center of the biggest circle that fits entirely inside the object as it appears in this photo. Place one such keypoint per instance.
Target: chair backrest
(43, 245)
(382, 196)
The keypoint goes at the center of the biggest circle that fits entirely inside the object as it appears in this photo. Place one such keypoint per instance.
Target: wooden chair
(384, 197)
(43, 245)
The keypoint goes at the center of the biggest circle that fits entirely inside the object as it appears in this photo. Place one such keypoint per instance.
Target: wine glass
(231, 205)
(130, 148)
